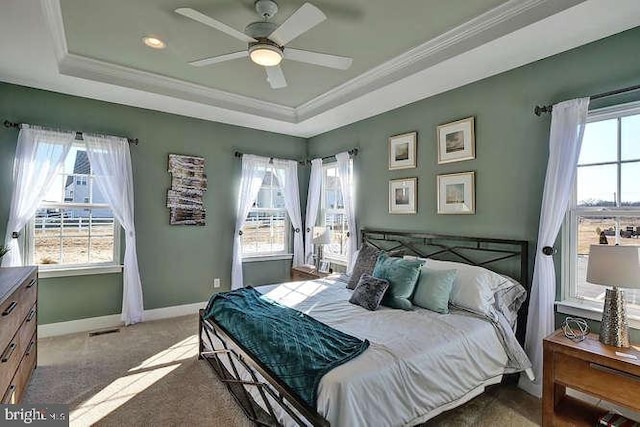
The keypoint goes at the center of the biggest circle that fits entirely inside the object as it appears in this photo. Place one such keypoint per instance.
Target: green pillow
(402, 275)
(433, 289)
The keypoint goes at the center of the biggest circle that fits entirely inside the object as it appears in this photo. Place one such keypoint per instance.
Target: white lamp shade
(614, 266)
(322, 236)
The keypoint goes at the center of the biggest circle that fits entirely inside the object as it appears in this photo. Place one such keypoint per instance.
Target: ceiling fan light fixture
(265, 54)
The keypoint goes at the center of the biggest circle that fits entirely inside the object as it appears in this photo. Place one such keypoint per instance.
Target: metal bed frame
(505, 256)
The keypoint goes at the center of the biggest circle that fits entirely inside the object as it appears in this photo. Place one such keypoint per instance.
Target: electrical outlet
(216, 282)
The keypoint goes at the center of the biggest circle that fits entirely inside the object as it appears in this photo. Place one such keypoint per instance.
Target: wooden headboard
(508, 257)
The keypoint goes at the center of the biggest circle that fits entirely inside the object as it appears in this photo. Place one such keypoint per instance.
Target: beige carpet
(148, 374)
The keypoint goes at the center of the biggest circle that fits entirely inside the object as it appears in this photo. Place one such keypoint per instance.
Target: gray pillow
(433, 289)
(365, 262)
(369, 292)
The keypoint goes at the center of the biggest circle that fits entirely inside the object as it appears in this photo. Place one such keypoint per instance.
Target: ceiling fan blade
(302, 20)
(315, 58)
(275, 77)
(207, 20)
(220, 58)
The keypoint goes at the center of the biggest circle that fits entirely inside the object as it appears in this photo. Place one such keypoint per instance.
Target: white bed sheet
(418, 361)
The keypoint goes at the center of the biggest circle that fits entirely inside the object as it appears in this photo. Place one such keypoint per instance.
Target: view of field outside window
(73, 224)
(266, 230)
(607, 207)
(333, 214)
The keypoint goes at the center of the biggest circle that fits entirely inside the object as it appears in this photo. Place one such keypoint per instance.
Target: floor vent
(104, 331)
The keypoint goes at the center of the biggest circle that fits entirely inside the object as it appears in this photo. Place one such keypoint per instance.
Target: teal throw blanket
(297, 348)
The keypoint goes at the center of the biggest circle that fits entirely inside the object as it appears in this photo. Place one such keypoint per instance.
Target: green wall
(511, 142)
(177, 264)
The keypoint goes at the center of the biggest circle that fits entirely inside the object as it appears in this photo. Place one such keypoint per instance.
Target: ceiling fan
(266, 40)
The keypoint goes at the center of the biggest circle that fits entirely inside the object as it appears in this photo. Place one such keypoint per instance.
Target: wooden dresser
(18, 334)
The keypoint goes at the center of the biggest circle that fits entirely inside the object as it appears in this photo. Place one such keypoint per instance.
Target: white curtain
(287, 174)
(313, 203)
(345, 172)
(39, 155)
(111, 164)
(253, 171)
(567, 128)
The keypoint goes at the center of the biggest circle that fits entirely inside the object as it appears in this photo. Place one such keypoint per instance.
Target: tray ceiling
(402, 52)
(371, 32)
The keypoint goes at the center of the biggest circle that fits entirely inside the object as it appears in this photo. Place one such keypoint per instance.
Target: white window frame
(333, 258)
(286, 253)
(570, 303)
(63, 270)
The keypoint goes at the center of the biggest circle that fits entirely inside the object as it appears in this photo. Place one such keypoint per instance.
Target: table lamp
(617, 266)
(322, 237)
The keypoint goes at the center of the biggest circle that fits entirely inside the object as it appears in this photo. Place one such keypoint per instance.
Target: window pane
(264, 198)
(630, 187)
(597, 185)
(600, 142)
(101, 249)
(278, 199)
(73, 236)
(593, 230)
(337, 223)
(630, 133)
(264, 233)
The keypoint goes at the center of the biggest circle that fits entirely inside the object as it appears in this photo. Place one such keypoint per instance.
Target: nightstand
(589, 367)
(306, 272)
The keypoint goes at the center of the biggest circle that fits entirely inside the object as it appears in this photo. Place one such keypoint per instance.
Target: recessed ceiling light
(154, 42)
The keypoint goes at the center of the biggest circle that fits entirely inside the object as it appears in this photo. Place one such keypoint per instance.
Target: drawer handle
(31, 283)
(31, 344)
(614, 371)
(8, 352)
(31, 314)
(9, 309)
(10, 394)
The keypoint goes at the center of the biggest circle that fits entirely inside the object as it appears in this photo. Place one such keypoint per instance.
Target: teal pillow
(402, 275)
(433, 289)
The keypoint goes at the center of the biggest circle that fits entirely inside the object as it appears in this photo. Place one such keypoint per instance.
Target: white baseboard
(113, 320)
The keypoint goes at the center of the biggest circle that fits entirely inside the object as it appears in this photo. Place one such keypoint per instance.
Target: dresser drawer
(11, 355)
(28, 363)
(15, 308)
(596, 379)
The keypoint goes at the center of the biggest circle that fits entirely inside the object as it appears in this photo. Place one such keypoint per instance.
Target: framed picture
(456, 193)
(403, 196)
(456, 141)
(402, 151)
(324, 266)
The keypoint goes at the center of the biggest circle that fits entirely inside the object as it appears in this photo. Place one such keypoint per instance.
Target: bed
(419, 363)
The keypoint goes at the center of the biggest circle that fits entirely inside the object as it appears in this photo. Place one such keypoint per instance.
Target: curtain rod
(539, 110)
(352, 152)
(9, 124)
(240, 154)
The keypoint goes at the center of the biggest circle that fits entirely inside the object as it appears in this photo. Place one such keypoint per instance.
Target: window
(267, 229)
(73, 226)
(606, 204)
(333, 215)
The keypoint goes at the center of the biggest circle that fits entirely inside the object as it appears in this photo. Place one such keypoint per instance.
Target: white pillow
(474, 287)
(354, 258)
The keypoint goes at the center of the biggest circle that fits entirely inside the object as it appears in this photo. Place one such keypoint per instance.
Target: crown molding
(491, 24)
(93, 69)
(53, 17)
(481, 29)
